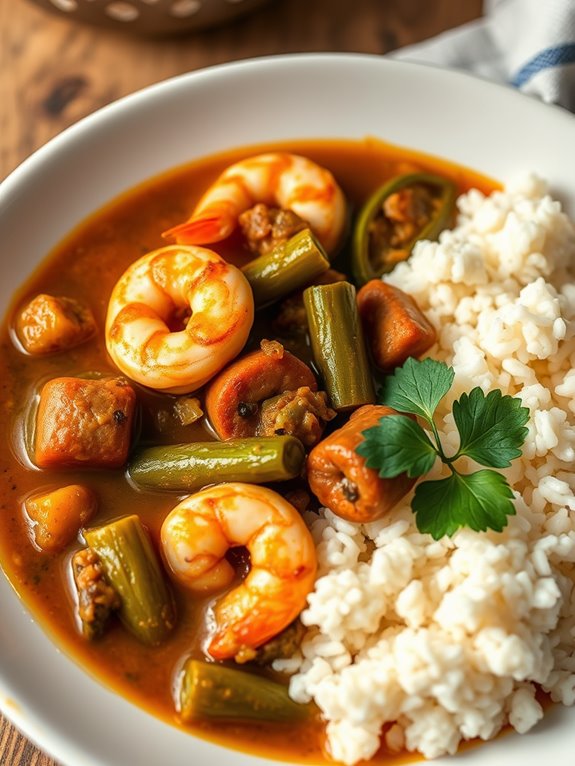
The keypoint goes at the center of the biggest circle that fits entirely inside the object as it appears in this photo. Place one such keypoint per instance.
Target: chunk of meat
(50, 324)
(302, 413)
(409, 209)
(266, 227)
(84, 423)
(97, 600)
(291, 318)
(58, 516)
(233, 398)
(340, 479)
(403, 215)
(395, 327)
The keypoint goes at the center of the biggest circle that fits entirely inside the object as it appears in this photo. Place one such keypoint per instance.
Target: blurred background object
(528, 44)
(54, 71)
(152, 17)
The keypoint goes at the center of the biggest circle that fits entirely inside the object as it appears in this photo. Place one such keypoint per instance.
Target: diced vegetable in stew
(403, 211)
(58, 515)
(133, 570)
(50, 324)
(212, 692)
(185, 467)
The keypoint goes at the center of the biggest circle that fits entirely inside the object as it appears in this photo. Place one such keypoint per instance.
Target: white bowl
(490, 128)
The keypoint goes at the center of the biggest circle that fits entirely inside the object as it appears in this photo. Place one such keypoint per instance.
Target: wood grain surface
(54, 71)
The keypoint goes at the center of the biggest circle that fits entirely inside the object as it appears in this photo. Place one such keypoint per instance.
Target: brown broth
(86, 265)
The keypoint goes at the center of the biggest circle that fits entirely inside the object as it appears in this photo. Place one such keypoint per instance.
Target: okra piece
(216, 693)
(132, 569)
(403, 211)
(186, 467)
(290, 266)
(338, 345)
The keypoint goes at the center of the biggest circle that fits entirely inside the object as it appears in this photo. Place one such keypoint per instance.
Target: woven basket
(152, 17)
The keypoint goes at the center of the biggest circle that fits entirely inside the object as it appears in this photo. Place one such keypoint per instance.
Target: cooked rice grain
(447, 639)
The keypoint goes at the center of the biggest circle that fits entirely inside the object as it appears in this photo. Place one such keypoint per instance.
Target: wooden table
(52, 72)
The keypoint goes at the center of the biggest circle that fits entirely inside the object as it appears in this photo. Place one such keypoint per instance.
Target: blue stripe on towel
(550, 57)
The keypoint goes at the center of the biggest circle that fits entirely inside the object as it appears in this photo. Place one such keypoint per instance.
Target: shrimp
(286, 180)
(198, 532)
(177, 316)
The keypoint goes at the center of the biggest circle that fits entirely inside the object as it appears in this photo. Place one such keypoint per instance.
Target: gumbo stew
(182, 378)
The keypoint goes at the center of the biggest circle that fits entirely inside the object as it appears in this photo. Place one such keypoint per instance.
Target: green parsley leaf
(480, 500)
(491, 428)
(397, 445)
(417, 387)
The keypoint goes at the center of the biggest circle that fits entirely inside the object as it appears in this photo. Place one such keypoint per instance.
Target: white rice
(436, 642)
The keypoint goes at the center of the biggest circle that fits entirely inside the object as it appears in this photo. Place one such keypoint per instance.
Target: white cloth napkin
(529, 44)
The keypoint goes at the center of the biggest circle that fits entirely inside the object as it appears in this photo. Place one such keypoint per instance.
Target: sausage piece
(84, 423)
(395, 328)
(264, 228)
(340, 479)
(302, 413)
(233, 398)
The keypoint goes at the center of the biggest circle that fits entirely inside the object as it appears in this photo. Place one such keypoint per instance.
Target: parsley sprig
(491, 431)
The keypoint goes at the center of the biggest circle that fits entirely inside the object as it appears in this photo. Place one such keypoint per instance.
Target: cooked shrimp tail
(202, 231)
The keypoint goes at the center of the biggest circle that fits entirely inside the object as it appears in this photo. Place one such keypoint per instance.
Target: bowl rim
(91, 121)
(49, 739)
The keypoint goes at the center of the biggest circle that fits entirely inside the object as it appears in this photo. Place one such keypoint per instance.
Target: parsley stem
(438, 442)
(447, 460)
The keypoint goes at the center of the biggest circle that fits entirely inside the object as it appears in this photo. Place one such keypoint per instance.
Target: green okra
(290, 266)
(187, 467)
(132, 568)
(211, 692)
(338, 344)
(372, 258)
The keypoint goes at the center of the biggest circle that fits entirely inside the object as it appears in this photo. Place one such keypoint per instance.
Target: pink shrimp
(177, 316)
(286, 180)
(195, 538)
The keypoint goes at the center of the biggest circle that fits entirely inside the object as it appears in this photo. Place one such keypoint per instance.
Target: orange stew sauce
(86, 266)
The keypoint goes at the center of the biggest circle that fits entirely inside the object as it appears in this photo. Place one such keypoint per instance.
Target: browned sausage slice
(395, 328)
(340, 479)
(233, 398)
(84, 423)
